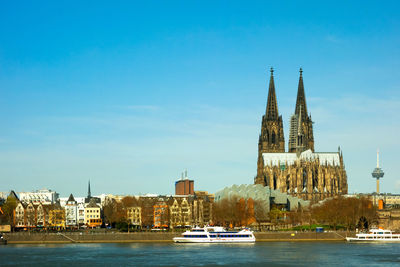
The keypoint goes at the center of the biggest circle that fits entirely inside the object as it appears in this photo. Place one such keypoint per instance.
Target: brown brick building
(184, 186)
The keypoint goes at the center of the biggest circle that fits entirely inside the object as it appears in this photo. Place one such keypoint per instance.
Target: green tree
(275, 215)
(8, 210)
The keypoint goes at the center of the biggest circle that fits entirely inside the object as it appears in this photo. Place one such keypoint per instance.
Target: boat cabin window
(224, 236)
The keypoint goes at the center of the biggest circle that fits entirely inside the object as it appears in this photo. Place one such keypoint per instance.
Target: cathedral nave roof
(275, 159)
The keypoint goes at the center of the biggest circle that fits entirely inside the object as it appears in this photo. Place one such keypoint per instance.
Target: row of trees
(348, 213)
(115, 212)
(235, 211)
(227, 212)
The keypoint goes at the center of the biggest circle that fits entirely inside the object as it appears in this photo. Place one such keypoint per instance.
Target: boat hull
(212, 240)
(215, 234)
(375, 240)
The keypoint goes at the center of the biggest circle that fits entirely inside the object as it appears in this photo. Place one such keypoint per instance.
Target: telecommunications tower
(378, 172)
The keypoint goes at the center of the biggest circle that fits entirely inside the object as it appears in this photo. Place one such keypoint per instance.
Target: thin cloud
(142, 107)
(333, 39)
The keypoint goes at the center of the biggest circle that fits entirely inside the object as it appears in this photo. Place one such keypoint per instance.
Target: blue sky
(129, 94)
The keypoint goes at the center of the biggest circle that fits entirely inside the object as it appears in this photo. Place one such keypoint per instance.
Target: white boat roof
(380, 230)
(209, 229)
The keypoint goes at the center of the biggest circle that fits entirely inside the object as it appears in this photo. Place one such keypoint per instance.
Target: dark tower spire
(301, 98)
(271, 139)
(89, 194)
(272, 106)
(301, 120)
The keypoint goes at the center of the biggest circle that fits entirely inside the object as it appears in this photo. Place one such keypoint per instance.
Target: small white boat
(375, 235)
(215, 235)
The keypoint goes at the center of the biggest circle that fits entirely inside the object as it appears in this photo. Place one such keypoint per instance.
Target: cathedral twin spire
(301, 98)
(301, 137)
(271, 137)
(301, 133)
(300, 179)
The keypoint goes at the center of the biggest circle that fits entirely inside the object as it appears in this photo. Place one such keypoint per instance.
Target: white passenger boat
(215, 235)
(375, 235)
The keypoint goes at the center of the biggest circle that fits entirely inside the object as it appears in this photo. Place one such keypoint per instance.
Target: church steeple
(272, 107)
(271, 139)
(301, 98)
(301, 120)
(89, 193)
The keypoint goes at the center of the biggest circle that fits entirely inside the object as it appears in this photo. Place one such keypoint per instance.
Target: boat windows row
(379, 237)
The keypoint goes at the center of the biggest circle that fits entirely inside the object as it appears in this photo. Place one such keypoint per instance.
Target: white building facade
(71, 212)
(44, 196)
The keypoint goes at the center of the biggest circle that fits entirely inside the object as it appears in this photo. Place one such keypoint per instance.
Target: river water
(169, 254)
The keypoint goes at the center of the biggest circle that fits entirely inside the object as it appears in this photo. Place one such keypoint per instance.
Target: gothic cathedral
(301, 171)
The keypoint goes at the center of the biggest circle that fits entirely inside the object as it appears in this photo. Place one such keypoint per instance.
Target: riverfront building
(134, 215)
(43, 196)
(300, 172)
(92, 214)
(71, 212)
(30, 215)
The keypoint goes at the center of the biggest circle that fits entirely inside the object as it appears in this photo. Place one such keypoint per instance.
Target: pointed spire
(89, 194)
(272, 106)
(301, 98)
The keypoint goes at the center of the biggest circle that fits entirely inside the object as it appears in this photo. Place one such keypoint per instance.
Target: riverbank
(110, 237)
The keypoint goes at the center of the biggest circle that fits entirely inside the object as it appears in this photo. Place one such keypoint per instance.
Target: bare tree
(30, 217)
(114, 212)
(232, 212)
(345, 212)
(147, 209)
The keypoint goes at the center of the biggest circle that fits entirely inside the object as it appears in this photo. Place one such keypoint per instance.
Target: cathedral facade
(300, 171)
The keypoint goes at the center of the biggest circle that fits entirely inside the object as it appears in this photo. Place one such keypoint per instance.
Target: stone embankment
(302, 236)
(110, 237)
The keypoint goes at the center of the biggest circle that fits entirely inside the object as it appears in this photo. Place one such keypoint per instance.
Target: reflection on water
(170, 254)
